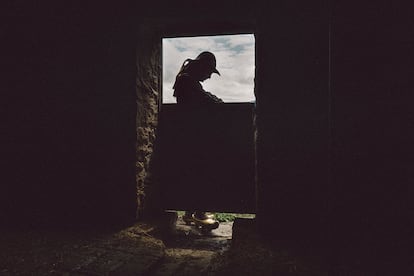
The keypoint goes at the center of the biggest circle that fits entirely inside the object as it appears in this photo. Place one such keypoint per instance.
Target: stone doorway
(149, 113)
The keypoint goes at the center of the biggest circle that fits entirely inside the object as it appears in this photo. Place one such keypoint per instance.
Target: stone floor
(131, 251)
(190, 252)
(135, 250)
(146, 249)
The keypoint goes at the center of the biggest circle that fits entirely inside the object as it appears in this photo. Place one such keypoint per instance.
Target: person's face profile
(205, 76)
(205, 73)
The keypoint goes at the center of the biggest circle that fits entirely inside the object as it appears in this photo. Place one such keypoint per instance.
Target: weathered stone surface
(190, 252)
(147, 92)
(131, 251)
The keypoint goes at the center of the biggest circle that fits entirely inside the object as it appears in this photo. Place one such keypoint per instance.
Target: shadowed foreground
(148, 249)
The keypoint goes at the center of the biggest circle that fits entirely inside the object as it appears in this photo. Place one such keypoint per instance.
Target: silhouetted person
(187, 86)
(191, 96)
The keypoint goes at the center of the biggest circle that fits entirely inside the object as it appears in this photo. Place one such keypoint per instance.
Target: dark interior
(333, 115)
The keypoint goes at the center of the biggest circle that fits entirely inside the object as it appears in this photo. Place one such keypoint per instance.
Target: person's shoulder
(185, 80)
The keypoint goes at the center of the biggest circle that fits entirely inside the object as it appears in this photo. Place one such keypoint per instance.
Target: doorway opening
(227, 129)
(234, 192)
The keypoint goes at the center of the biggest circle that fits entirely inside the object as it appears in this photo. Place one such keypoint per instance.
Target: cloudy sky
(235, 62)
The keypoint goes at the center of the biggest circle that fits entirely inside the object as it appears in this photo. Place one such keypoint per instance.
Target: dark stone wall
(293, 119)
(372, 65)
(69, 150)
(148, 86)
(333, 143)
(334, 132)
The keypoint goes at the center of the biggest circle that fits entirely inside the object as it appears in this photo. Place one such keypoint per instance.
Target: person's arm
(211, 98)
(187, 90)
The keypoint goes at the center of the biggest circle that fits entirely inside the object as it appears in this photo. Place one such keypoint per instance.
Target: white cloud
(235, 61)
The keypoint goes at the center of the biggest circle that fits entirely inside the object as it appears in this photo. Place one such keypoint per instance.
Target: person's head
(203, 66)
